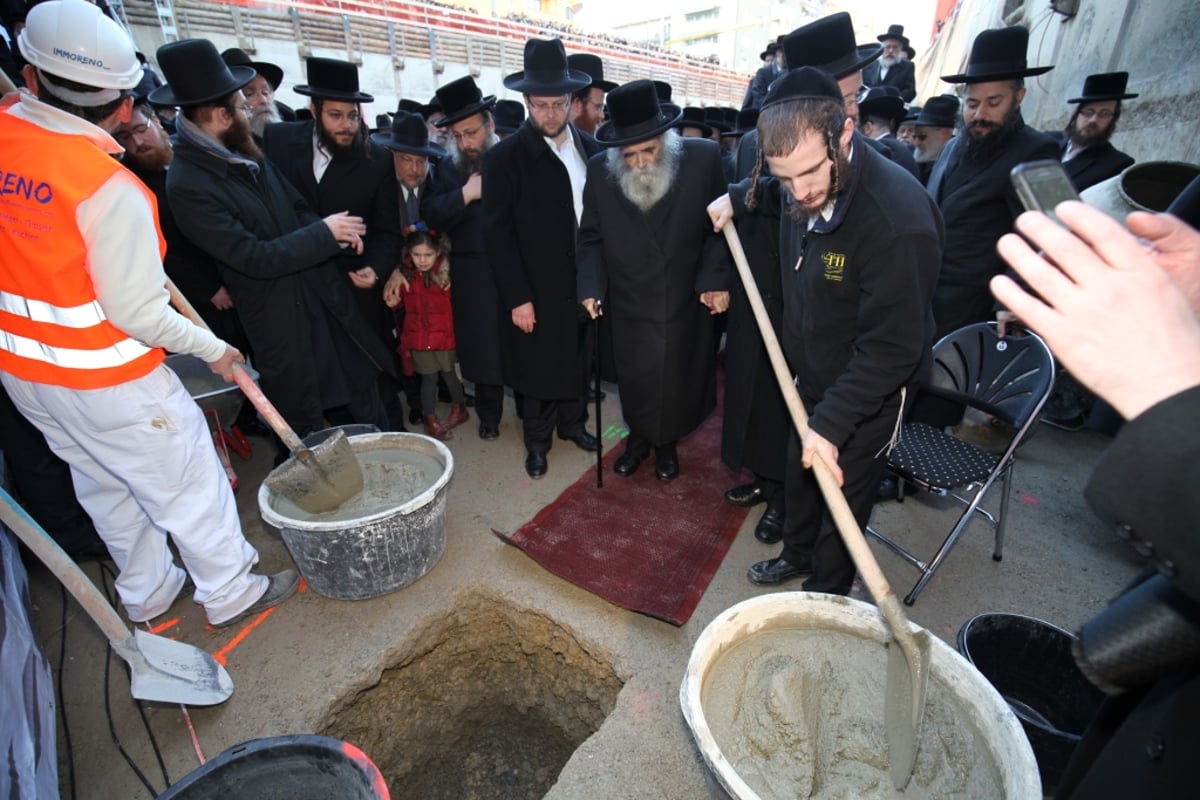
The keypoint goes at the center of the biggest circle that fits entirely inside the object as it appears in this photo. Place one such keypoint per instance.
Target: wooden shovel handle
(242, 378)
(839, 509)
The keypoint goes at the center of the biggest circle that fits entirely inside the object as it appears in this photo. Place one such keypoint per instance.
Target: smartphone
(1042, 185)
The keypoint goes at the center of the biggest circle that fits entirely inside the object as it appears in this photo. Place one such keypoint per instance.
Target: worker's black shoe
(748, 494)
(775, 570)
(770, 528)
(280, 587)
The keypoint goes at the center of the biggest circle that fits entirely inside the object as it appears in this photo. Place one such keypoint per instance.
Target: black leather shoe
(415, 417)
(748, 494)
(775, 570)
(628, 462)
(666, 463)
(535, 464)
(584, 441)
(488, 431)
(770, 528)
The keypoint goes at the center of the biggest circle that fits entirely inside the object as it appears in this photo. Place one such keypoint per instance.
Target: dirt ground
(485, 674)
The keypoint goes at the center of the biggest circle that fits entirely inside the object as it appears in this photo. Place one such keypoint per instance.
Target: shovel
(162, 670)
(908, 652)
(318, 479)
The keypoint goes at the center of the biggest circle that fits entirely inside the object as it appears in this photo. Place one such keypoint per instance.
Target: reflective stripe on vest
(52, 328)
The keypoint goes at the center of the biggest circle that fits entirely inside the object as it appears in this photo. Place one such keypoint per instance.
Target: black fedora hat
(939, 112)
(770, 51)
(910, 115)
(195, 74)
(410, 106)
(663, 90)
(693, 117)
(882, 101)
(804, 82)
(998, 55)
(894, 32)
(332, 79)
(408, 134)
(635, 115)
(593, 66)
(546, 71)
(1104, 86)
(236, 57)
(460, 99)
(509, 115)
(828, 44)
(715, 117)
(747, 118)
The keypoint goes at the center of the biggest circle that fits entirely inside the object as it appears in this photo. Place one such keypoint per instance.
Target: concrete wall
(1154, 41)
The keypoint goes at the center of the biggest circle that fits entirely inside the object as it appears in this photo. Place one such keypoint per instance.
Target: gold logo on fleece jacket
(834, 263)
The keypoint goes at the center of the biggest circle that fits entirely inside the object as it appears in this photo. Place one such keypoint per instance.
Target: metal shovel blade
(904, 701)
(167, 671)
(320, 479)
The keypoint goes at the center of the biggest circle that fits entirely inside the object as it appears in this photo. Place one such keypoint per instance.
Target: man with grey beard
(933, 128)
(650, 263)
(260, 92)
(892, 68)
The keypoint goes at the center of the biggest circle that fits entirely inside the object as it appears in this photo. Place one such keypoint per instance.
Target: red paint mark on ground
(222, 655)
(1027, 499)
(163, 626)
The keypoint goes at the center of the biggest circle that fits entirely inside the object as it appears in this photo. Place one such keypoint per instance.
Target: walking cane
(599, 437)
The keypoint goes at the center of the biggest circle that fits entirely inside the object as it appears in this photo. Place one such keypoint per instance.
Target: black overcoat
(979, 204)
(277, 259)
(901, 77)
(650, 269)
(530, 226)
(476, 303)
(1093, 165)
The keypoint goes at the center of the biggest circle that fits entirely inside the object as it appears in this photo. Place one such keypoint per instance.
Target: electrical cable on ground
(62, 706)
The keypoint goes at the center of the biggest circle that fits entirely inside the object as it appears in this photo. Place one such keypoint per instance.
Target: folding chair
(1009, 379)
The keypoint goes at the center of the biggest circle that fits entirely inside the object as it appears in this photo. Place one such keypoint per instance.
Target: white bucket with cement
(784, 695)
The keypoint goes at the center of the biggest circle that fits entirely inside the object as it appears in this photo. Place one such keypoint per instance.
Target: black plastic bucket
(1030, 664)
(306, 767)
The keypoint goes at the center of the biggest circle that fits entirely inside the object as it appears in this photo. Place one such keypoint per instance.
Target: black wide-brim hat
(546, 71)
(693, 117)
(939, 112)
(747, 118)
(772, 48)
(236, 57)
(408, 134)
(195, 74)
(508, 116)
(594, 67)
(882, 101)
(1104, 86)
(998, 55)
(635, 115)
(663, 90)
(332, 79)
(460, 99)
(829, 44)
(894, 32)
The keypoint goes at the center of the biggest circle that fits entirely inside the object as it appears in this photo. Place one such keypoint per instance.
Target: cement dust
(391, 478)
(799, 714)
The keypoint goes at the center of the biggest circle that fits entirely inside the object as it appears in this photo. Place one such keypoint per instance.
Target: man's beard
(261, 119)
(239, 139)
(1082, 140)
(889, 61)
(802, 214)
(549, 134)
(981, 149)
(330, 143)
(645, 187)
(151, 159)
(468, 163)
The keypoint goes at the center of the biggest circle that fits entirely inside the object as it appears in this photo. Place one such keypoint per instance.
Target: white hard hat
(72, 39)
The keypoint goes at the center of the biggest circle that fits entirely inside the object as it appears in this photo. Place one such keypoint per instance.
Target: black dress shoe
(488, 431)
(775, 570)
(628, 462)
(415, 417)
(584, 441)
(889, 489)
(535, 464)
(770, 528)
(666, 463)
(748, 494)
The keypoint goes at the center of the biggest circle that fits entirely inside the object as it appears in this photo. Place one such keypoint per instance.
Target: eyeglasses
(136, 131)
(337, 116)
(470, 133)
(247, 110)
(1089, 113)
(558, 106)
(920, 137)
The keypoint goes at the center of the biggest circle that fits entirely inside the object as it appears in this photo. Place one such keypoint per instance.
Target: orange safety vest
(52, 328)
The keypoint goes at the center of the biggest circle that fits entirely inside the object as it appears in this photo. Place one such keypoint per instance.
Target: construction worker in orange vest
(85, 320)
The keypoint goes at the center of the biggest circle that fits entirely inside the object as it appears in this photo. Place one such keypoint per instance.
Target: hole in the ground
(488, 701)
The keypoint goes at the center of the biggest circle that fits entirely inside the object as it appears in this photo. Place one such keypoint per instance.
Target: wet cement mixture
(391, 478)
(799, 714)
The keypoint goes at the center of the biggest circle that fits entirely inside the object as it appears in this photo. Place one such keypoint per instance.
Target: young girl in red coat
(427, 340)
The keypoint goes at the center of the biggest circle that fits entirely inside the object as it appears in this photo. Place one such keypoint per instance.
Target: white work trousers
(144, 466)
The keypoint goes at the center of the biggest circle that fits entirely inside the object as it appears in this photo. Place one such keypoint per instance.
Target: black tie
(414, 207)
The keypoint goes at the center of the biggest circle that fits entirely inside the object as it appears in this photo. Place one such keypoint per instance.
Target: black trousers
(810, 537)
(489, 403)
(541, 417)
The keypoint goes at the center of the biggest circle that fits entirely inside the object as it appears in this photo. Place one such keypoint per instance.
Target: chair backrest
(1009, 378)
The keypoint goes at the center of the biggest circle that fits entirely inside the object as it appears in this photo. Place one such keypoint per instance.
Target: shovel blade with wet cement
(161, 670)
(908, 652)
(318, 479)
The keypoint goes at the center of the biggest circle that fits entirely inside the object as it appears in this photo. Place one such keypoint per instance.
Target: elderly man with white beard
(649, 261)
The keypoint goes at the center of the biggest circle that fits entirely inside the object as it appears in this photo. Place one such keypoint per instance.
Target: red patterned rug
(640, 543)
